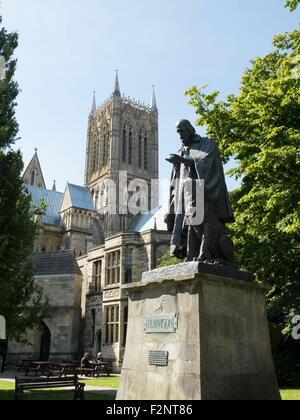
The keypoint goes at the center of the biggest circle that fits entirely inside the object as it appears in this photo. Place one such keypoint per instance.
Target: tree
(259, 128)
(292, 4)
(21, 300)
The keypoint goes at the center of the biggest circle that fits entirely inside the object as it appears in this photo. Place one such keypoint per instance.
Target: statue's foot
(202, 258)
(215, 261)
(220, 261)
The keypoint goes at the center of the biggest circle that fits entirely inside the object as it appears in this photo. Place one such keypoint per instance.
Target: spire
(94, 106)
(117, 86)
(153, 105)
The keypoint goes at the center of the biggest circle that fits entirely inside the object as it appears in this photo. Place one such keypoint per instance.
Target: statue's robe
(208, 167)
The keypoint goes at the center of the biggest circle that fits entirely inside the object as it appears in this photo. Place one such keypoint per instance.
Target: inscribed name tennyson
(160, 323)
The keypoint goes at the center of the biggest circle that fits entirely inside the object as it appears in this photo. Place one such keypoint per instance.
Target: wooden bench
(36, 384)
(86, 371)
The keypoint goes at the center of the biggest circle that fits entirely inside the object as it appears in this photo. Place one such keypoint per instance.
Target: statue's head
(186, 131)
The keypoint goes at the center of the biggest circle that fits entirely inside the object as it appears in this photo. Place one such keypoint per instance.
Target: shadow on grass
(9, 395)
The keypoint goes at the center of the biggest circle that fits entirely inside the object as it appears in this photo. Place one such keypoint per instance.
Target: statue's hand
(175, 159)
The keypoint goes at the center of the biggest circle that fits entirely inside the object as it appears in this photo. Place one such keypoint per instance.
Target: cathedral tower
(122, 146)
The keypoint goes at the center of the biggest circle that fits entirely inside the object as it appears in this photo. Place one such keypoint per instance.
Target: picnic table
(48, 368)
(24, 364)
(37, 367)
(64, 368)
(99, 367)
(68, 368)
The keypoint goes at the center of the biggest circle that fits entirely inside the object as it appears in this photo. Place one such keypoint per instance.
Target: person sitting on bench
(100, 360)
(85, 364)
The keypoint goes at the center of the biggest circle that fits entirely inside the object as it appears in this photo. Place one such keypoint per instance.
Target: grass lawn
(107, 382)
(7, 391)
(290, 394)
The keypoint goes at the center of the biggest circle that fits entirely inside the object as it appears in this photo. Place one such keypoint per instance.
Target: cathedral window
(112, 324)
(113, 268)
(140, 151)
(94, 158)
(104, 151)
(105, 146)
(32, 178)
(130, 148)
(124, 146)
(123, 222)
(97, 155)
(97, 275)
(107, 149)
(145, 153)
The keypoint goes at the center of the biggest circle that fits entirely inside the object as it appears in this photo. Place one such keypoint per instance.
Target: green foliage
(21, 300)
(259, 128)
(286, 360)
(292, 4)
(167, 260)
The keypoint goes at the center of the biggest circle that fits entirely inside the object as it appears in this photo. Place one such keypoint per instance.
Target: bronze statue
(204, 241)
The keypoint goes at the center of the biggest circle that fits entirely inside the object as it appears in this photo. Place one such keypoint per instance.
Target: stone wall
(64, 294)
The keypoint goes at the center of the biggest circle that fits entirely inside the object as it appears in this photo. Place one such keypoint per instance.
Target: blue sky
(68, 48)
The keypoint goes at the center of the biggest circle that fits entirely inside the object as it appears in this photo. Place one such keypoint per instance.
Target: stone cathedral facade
(91, 243)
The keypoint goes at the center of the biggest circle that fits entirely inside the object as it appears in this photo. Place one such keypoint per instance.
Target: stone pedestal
(213, 341)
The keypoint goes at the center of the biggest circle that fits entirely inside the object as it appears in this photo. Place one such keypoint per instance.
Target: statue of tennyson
(198, 165)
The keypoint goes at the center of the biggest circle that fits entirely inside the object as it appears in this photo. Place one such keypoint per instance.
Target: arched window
(130, 148)
(124, 146)
(145, 153)
(94, 154)
(104, 151)
(122, 223)
(32, 178)
(140, 151)
(97, 155)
